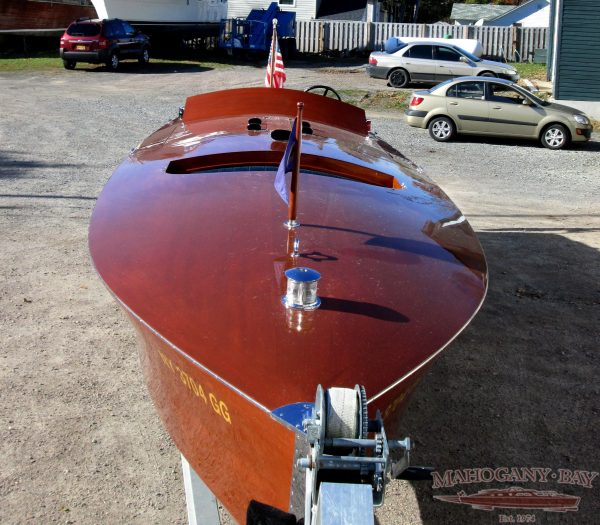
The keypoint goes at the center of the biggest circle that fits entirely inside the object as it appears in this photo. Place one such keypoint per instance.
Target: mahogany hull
(223, 434)
(188, 235)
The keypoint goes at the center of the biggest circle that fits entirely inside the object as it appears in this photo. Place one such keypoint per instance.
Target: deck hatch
(269, 160)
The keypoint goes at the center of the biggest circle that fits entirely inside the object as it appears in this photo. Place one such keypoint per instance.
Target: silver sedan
(433, 62)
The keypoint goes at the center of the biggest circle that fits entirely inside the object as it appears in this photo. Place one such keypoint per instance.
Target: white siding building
(357, 10)
(304, 9)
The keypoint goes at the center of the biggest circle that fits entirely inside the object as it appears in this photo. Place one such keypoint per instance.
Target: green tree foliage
(431, 11)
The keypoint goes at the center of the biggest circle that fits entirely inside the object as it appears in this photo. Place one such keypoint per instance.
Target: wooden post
(296, 171)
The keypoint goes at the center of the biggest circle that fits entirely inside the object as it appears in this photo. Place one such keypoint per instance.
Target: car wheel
(113, 62)
(488, 74)
(555, 136)
(145, 57)
(441, 129)
(398, 78)
(69, 64)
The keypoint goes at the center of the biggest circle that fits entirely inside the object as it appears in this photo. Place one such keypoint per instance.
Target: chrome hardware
(362, 453)
(302, 289)
(290, 225)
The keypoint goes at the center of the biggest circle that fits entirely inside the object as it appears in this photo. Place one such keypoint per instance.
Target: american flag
(279, 75)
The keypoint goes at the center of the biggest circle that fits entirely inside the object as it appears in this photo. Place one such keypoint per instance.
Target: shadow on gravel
(520, 387)
(13, 165)
(591, 146)
(46, 196)
(154, 68)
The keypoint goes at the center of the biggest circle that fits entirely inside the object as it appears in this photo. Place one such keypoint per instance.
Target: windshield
(535, 99)
(83, 29)
(470, 56)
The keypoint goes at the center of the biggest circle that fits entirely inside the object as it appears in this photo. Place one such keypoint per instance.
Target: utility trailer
(254, 33)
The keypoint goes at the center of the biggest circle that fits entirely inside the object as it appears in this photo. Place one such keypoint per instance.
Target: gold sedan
(495, 107)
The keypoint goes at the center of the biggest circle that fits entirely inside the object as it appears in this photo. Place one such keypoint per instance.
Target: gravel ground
(79, 439)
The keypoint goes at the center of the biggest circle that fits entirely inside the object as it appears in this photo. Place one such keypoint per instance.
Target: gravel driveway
(79, 439)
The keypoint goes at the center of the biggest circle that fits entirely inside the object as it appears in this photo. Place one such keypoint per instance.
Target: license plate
(80, 48)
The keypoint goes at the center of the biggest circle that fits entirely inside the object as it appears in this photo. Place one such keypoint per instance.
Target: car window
(83, 29)
(445, 53)
(128, 29)
(420, 51)
(474, 90)
(110, 30)
(117, 28)
(504, 94)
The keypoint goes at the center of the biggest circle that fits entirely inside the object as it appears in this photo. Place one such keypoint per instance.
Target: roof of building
(476, 12)
(357, 15)
(541, 4)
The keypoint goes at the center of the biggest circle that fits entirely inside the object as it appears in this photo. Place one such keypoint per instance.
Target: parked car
(432, 62)
(493, 106)
(103, 41)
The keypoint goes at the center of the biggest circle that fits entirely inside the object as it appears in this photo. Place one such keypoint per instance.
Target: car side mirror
(464, 59)
(527, 102)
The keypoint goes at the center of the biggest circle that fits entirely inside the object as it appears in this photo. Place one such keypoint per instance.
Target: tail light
(415, 101)
(103, 43)
(62, 43)
(372, 61)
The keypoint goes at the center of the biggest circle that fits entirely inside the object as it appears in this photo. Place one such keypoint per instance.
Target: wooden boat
(189, 236)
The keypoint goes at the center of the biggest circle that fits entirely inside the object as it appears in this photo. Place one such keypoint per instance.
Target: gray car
(496, 107)
(433, 62)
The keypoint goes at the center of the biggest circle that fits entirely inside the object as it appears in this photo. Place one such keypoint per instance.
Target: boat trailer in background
(254, 33)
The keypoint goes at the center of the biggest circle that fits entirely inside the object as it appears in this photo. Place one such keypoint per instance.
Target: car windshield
(470, 56)
(537, 99)
(83, 29)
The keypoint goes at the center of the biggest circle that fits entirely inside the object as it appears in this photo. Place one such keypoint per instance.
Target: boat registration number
(80, 48)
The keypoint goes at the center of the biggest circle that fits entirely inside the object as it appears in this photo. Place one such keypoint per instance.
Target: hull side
(224, 436)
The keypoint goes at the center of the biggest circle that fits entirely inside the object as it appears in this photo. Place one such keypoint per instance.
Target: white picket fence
(512, 43)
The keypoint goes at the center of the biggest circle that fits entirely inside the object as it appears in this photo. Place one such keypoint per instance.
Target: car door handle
(453, 103)
(497, 107)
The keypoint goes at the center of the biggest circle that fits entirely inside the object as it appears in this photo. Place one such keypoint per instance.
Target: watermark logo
(514, 497)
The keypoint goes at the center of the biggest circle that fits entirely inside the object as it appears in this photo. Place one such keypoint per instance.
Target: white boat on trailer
(153, 12)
